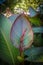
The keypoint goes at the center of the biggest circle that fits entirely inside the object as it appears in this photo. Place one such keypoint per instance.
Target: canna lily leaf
(7, 51)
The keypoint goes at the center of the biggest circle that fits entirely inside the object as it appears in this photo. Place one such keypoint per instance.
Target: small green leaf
(35, 21)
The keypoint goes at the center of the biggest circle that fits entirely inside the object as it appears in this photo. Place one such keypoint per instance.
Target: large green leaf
(7, 51)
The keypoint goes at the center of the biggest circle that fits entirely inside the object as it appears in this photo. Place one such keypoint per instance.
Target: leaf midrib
(8, 47)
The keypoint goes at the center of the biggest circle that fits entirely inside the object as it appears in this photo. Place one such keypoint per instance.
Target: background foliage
(24, 4)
